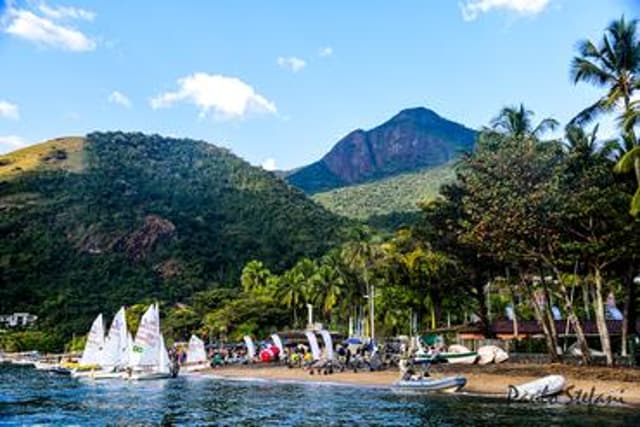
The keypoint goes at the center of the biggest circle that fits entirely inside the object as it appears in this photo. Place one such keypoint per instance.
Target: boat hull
(543, 387)
(460, 358)
(194, 367)
(448, 384)
(146, 376)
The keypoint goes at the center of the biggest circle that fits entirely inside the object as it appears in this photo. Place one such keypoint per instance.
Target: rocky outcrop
(414, 139)
(142, 241)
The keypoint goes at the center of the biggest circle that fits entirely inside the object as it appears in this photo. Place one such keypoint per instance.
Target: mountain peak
(415, 138)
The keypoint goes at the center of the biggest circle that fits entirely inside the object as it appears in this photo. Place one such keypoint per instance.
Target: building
(17, 319)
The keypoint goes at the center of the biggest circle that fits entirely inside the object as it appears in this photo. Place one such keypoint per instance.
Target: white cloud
(9, 110)
(11, 143)
(64, 12)
(225, 97)
(269, 164)
(119, 98)
(325, 51)
(291, 63)
(29, 26)
(471, 9)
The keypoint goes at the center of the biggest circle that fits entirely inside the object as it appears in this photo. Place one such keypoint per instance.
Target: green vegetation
(145, 218)
(230, 250)
(397, 194)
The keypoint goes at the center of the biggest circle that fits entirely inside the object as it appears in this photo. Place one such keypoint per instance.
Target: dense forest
(529, 221)
(119, 218)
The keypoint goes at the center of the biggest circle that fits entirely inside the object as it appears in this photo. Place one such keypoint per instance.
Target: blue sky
(282, 81)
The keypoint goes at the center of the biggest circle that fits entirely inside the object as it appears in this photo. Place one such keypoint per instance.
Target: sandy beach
(491, 380)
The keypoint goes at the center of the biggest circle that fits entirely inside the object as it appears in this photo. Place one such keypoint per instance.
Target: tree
(295, 285)
(516, 123)
(329, 285)
(254, 277)
(614, 64)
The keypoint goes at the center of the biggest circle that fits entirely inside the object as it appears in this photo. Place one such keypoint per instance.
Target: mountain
(388, 196)
(414, 139)
(88, 224)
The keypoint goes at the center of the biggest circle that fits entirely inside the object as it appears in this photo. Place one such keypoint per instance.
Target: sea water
(30, 397)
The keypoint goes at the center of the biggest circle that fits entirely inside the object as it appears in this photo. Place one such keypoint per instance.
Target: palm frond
(583, 70)
(627, 161)
(545, 125)
(587, 115)
(635, 204)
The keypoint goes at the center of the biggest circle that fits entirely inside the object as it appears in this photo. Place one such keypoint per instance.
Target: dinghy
(501, 356)
(149, 359)
(491, 353)
(196, 356)
(459, 354)
(543, 387)
(448, 384)
(115, 356)
(92, 353)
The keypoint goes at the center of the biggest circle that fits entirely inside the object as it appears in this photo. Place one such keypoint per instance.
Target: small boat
(450, 384)
(543, 387)
(486, 354)
(92, 353)
(115, 354)
(459, 354)
(491, 353)
(501, 356)
(196, 356)
(149, 359)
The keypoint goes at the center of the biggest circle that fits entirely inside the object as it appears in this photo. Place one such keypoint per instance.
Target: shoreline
(491, 381)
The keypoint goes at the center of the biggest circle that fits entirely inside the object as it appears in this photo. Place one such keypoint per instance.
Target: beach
(583, 386)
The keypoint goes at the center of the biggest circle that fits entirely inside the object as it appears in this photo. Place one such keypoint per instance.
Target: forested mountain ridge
(88, 224)
(414, 139)
(398, 194)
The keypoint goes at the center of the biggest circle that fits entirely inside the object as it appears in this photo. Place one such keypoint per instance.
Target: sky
(280, 82)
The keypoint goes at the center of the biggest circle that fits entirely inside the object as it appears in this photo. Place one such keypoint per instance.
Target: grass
(42, 157)
(400, 193)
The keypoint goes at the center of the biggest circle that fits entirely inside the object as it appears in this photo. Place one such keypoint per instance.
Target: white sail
(313, 344)
(95, 343)
(130, 356)
(278, 343)
(196, 352)
(115, 353)
(328, 343)
(164, 364)
(145, 346)
(251, 348)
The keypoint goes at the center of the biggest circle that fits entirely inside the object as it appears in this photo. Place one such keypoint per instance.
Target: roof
(532, 327)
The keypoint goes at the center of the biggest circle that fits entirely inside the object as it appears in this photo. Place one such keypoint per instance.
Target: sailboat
(115, 354)
(148, 358)
(92, 353)
(196, 356)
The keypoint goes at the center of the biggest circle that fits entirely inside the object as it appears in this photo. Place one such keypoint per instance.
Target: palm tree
(328, 287)
(516, 122)
(254, 276)
(360, 255)
(295, 286)
(612, 64)
(584, 146)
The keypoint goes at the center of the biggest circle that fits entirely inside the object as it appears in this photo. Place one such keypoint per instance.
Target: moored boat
(196, 356)
(543, 387)
(92, 353)
(149, 359)
(449, 384)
